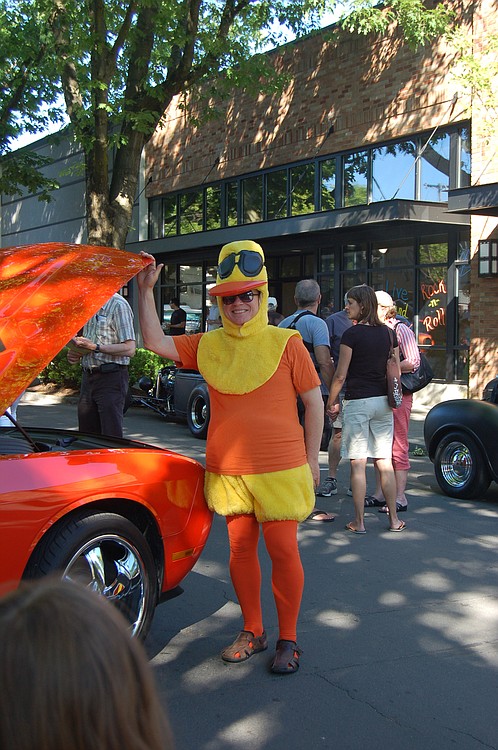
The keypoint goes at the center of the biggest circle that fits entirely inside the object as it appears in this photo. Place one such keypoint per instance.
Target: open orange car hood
(47, 292)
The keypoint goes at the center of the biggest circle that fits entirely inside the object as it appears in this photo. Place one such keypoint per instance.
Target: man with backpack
(315, 335)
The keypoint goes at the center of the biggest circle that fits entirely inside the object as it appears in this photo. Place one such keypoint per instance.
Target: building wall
(484, 291)
(369, 89)
(25, 219)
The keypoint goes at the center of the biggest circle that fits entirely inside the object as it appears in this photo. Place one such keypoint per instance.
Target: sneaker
(327, 488)
(350, 492)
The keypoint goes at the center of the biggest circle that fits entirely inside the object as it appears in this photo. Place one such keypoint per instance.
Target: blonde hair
(72, 676)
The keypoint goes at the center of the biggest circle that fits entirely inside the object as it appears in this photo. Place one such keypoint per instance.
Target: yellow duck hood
(238, 359)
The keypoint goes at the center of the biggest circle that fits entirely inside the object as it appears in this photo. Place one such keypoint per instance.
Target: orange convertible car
(126, 518)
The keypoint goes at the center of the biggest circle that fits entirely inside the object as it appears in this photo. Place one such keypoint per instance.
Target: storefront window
(309, 266)
(327, 261)
(169, 274)
(435, 169)
(170, 215)
(276, 195)
(302, 189)
(463, 312)
(252, 199)
(434, 250)
(385, 255)
(290, 266)
(213, 207)
(355, 179)
(190, 287)
(231, 203)
(327, 184)
(271, 267)
(393, 173)
(191, 212)
(354, 258)
(465, 164)
(155, 211)
(379, 173)
(190, 274)
(211, 272)
(433, 300)
(400, 284)
(354, 265)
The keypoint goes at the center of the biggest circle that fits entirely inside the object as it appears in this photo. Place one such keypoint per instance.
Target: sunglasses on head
(244, 297)
(249, 262)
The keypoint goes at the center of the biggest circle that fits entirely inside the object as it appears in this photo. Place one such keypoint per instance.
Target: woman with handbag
(409, 362)
(367, 430)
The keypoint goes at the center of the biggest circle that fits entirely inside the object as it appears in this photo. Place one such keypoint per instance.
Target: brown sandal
(244, 646)
(286, 659)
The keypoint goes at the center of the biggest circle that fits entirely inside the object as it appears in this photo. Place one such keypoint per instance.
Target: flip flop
(314, 513)
(401, 527)
(348, 527)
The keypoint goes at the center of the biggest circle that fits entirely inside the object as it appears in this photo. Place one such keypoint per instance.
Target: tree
(118, 64)
(27, 79)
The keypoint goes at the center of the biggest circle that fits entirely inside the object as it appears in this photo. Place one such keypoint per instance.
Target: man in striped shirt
(104, 350)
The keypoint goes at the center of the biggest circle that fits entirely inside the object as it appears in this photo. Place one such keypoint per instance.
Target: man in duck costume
(261, 466)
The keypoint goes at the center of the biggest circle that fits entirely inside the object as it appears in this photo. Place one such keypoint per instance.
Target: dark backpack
(309, 346)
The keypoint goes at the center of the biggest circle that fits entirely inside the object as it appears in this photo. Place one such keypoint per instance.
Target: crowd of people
(278, 377)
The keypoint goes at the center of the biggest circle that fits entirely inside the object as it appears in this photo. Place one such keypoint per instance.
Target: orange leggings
(287, 571)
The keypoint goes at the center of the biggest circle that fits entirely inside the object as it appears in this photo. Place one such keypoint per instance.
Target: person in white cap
(274, 317)
(409, 361)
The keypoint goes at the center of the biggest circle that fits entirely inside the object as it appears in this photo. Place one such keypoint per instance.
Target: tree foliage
(112, 67)
(419, 23)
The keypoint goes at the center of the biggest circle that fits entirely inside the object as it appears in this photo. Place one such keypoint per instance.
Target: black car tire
(198, 412)
(460, 467)
(107, 553)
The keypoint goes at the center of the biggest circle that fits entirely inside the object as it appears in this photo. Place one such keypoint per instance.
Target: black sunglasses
(249, 262)
(244, 297)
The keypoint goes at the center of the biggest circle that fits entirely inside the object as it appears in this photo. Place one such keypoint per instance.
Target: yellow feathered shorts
(287, 495)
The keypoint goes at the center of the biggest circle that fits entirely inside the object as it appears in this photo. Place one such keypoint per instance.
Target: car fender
(109, 482)
(467, 416)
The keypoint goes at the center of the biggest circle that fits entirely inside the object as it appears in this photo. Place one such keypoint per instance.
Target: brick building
(370, 166)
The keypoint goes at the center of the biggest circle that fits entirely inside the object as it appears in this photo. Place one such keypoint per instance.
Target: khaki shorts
(367, 429)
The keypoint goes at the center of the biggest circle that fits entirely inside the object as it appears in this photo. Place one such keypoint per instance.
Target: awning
(480, 200)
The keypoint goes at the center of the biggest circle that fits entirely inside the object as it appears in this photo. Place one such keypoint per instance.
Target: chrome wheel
(107, 553)
(198, 412)
(456, 464)
(111, 566)
(460, 466)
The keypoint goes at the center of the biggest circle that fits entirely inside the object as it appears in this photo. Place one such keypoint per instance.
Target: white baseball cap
(272, 303)
(384, 299)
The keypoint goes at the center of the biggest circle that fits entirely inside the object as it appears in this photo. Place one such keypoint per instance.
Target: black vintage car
(461, 437)
(179, 395)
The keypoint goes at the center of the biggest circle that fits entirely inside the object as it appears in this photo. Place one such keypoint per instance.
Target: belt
(103, 368)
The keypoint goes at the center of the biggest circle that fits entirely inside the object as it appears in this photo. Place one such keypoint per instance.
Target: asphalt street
(399, 631)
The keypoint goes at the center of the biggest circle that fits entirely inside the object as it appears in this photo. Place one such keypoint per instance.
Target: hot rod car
(177, 394)
(461, 437)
